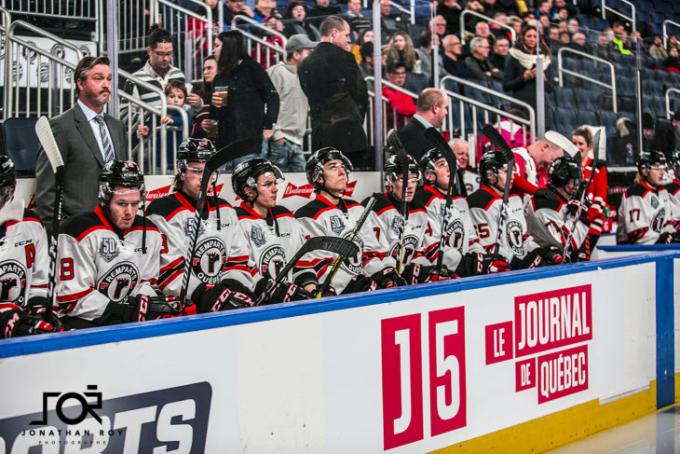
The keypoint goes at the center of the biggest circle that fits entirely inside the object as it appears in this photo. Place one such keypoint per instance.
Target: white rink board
(314, 383)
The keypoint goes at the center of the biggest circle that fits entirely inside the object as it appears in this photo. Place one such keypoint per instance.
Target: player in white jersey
(24, 264)
(461, 241)
(108, 259)
(486, 205)
(175, 214)
(271, 231)
(551, 214)
(644, 215)
(331, 214)
(673, 189)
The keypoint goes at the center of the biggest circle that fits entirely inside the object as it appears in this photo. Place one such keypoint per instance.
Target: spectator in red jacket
(583, 139)
(401, 106)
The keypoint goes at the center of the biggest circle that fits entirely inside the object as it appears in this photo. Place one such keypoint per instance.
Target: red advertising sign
(306, 190)
(562, 373)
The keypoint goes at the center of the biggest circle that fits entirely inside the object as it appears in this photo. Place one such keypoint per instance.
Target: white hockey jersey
(321, 217)
(272, 243)
(97, 264)
(550, 223)
(24, 259)
(644, 214)
(461, 235)
(485, 209)
(674, 192)
(174, 216)
(390, 223)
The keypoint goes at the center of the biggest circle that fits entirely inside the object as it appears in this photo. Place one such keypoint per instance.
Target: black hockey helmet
(651, 158)
(564, 169)
(8, 179)
(428, 160)
(492, 162)
(246, 173)
(119, 173)
(194, 150)
(315, 163)
(675, 160)
(394, 167)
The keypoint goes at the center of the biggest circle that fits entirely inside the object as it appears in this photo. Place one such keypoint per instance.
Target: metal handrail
(10, 39)
(631, 18)
(531, 122)
(669, 112)
(665, 31)
(385, 83)
(612, 72)
(410, 11)
(485, 18)
(266, 30)
(258, 25)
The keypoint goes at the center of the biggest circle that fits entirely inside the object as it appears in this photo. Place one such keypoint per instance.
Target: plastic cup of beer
(223, 91)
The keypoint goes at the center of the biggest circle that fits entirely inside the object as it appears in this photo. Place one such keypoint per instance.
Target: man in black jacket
(337, 94)
(431, 109)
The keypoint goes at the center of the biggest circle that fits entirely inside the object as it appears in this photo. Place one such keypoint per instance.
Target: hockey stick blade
(438, 141)
(234, 150)
(46, 138)
(497, 140)
(394, 142)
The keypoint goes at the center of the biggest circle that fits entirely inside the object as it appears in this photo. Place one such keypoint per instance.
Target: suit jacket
(338, 98)
(83, 163)
(413, 137)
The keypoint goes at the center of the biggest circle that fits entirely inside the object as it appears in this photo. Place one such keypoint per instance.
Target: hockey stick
(337, 245)
(502, 146)
(583, 191)
(44, 132)
(232, 151)
(341, 258)
(436, 139)
(395, 143)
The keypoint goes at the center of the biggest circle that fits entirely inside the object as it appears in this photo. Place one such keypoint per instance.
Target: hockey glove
(419, 274)
(228, 294)
(474, 264)
(669, 238)
(10, 317)
(388, 278)
(131, 309)
(360, 283)
(282, 293)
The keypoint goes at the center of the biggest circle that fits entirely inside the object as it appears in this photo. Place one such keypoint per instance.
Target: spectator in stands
(431, 110)
(461, 149)
(402, 105)
(675, 122)
(438, 26)
(400, 50)
(499, 57)
(365, 36)
(490, 8)
(285, 146)
(366, 65)
(520, 71)
(565, 39)
(452, 60)
(87, 138)
(673, 41)
(579, 42)
(425, 54)
(236, 8)
(391, 23)
(647, 131)
(656, 50)
(322, 9)
(251, 105)
(546, 8)
(568, 5)
(544, 21)
(672, 62)
(516, 23)
(562, 15)
(573, 25)
(203, 126)
(624, 151)
(296, 21)
(482, 30)
(554, 37)
(509, 7)
(264, 9)
(337, 94)
(620, 40)
(470, 20)
(582, 138)
(158, 69)
(603, 49)
(478, 61)
(496, 30)
(356, 19)
(450, 10)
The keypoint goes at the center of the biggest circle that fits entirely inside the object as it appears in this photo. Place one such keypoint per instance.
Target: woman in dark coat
(252, 104)
(520, 68)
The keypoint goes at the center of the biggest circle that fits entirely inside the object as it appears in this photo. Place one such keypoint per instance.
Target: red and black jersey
(98, 263)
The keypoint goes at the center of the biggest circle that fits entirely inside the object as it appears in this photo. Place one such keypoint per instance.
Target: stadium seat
(586, 117)
(585, 98)
(625, 86)
(608, 120)
(564, 97)
(564, 119)
(21, 144)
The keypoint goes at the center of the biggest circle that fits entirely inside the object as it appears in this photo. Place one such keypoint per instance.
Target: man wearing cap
(285, 146)
(532, 162)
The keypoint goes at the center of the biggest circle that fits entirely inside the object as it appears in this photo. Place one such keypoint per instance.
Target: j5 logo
(403, 374)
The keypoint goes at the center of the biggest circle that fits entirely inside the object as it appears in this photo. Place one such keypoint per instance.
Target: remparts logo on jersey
(208, 261)
(12, 282)
(173, 419)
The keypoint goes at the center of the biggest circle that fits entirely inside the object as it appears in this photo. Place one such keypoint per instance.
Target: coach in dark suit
(87, 139)
(431, 109)
(337, 94)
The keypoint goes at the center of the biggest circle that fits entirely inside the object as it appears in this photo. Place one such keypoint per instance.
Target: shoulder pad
(241, 213)
(479, 199)
(218, 201)
(310, 209)
(381, 202)
(139, 224)
(423, 197)
(30, 215)
(281, 211)
(636, 190)
(163, 206)
(546, 199)
(77, 225)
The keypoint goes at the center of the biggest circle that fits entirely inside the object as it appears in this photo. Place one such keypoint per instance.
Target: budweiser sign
(158, 193)
(306, 190)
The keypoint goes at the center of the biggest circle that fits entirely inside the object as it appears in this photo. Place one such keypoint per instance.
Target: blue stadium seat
(608, 120)
(21, 144)
(585, 98)
(564, 119)
(625, 86)
(586, 117)
(564, 97)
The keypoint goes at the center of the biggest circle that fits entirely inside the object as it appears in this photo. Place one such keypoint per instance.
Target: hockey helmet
(427, 162)
(491, 163)
(246, 173)
(194, 150)
(395, 167)
(315, 163)
(119, 173)
(675, 160)
(8, 179)
(650, 158)
(564, 169)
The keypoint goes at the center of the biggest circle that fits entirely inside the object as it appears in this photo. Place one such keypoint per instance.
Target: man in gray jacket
(285, 146)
